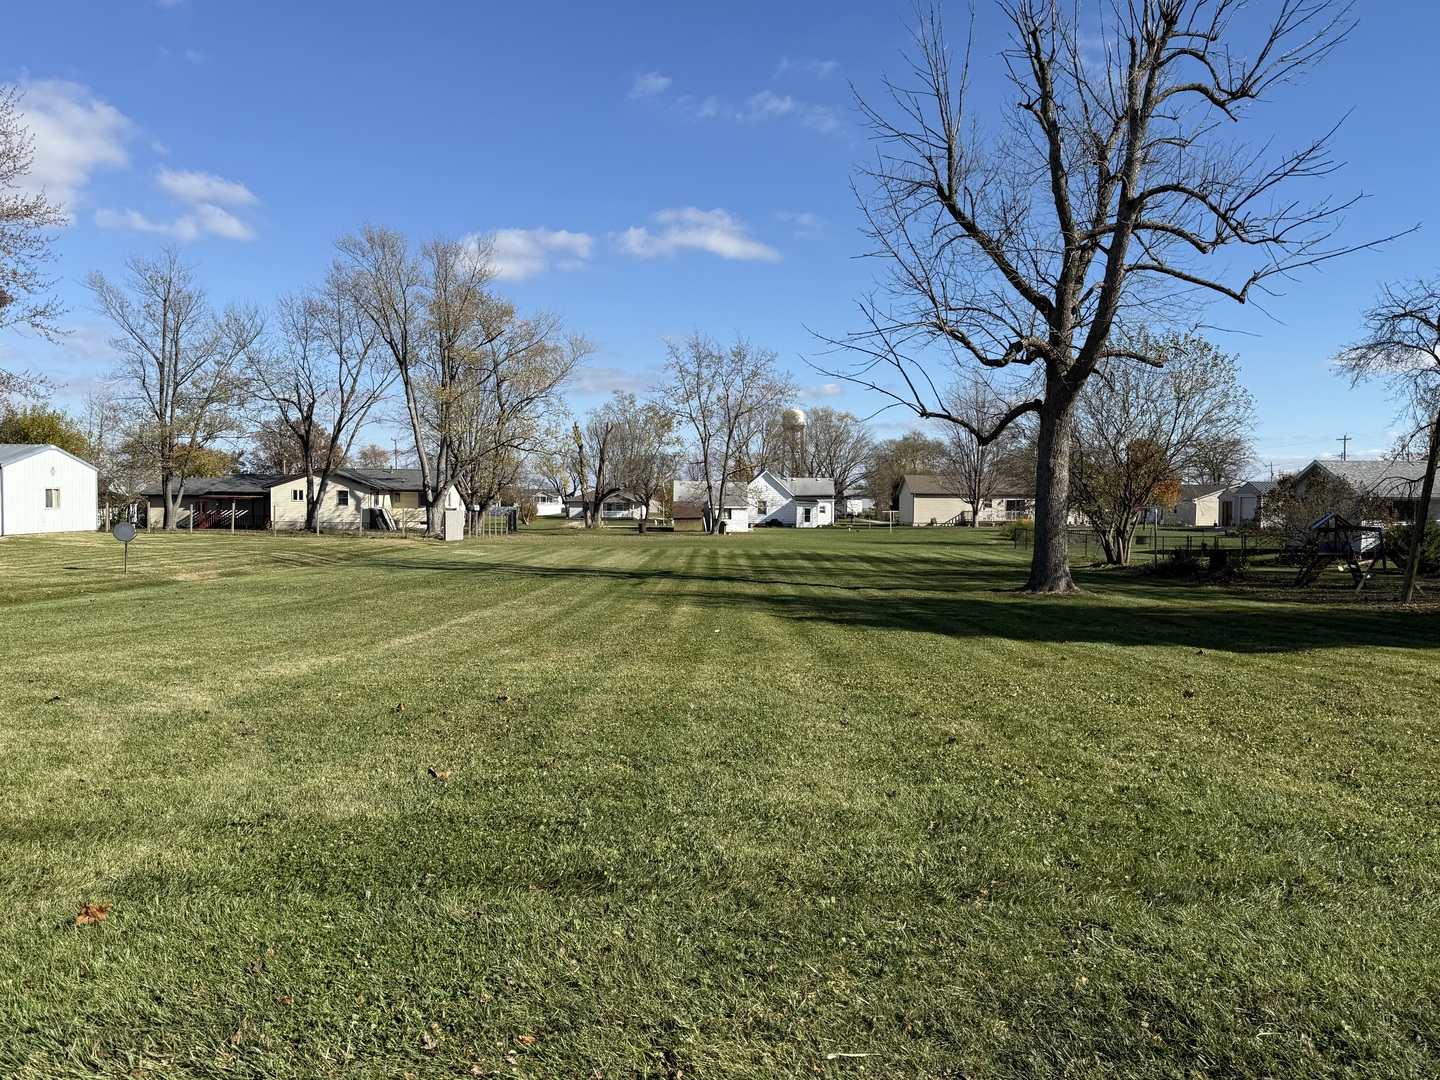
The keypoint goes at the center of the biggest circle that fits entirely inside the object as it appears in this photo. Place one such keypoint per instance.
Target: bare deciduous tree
(626, 447)
(25, 246)
(723, 397)
(976, 467)
(1098, 206)
(1401, 345)
(477, 377)
(319, 377)
(179, 367)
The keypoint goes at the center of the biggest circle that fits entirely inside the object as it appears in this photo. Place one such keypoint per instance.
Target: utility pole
(1344, 442)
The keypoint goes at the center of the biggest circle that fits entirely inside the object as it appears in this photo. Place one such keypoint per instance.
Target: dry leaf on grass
(1189, 693)
(502, 697)
(526, 1040)
(399, 706)
(441, 775)
(91, 913)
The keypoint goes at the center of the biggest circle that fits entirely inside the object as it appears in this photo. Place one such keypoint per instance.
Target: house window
(760, 508)
(342, 497)
(52, 498)
(297, 495)
(727, 514)
(807, 515)
(821, 509)
(1016, 506)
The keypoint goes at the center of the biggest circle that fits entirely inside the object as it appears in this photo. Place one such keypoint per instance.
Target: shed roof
(11, 453)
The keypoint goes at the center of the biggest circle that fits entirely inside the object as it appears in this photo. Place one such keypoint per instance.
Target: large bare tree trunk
(1422, 516)
(1050, 557)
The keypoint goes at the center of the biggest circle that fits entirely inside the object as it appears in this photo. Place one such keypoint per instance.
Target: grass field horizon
(790, 803)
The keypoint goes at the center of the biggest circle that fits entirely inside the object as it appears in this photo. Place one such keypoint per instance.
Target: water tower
(792, 421)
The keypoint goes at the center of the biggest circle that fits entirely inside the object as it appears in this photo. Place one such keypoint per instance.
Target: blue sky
(648, 168)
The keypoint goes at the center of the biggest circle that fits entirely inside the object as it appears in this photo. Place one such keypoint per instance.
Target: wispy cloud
(817, 69)
(201, 187)
(203, 220)
(759, 108)
(807, 226)
(522, 253)
(201, 195)
(608, 380)
(650, 84)
(823, 390)
(715, 231)
(75, 135)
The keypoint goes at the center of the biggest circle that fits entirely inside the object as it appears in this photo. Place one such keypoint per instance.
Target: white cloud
(75, 134)
(818, 69)
(607, 380)
(202, 220)
(760, 108)
(199, 193)
(522, 253)
(649, 85)
(715, 231)
(198, 187)
(806, 225)
(828, 389)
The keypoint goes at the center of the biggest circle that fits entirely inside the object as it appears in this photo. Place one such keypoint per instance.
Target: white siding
(287, 511)
(23, 485)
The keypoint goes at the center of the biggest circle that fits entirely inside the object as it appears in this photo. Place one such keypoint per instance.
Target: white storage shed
(44, 489)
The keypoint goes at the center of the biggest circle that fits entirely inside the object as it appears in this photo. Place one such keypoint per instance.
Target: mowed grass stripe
(890, 808)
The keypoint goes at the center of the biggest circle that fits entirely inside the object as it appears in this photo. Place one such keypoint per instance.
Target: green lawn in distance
(792, 803)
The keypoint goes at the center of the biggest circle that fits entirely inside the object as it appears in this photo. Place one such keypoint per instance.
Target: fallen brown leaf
(526, 1040)
(502, 697)
(1189, 693)
(399, 706)
(438, 775)
(91, 913)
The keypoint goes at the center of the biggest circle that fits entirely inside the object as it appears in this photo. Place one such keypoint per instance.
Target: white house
(803, 502)
(44, 489)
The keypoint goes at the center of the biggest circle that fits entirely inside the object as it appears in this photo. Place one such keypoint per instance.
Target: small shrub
(1020, 525)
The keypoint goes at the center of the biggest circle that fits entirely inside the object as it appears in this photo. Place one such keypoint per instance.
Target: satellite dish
(793, 419)
(123, 531)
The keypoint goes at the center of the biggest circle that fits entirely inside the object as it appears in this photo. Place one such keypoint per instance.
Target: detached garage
(44, 489)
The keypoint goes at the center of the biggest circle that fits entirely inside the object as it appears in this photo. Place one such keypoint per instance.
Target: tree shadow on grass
(955, 598)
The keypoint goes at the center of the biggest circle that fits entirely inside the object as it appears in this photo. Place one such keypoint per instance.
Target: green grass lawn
(785, 804)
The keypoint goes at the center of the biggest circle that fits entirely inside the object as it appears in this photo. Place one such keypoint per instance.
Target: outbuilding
(44, 489)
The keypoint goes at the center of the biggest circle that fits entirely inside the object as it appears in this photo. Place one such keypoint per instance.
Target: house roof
(698, 491)
(803, 487)
(1255, 487)
(1005, 487)
(1387, 479)
(687, 511)
(236, 484)
(10, 453)
(1190, 492)
(239, 484)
